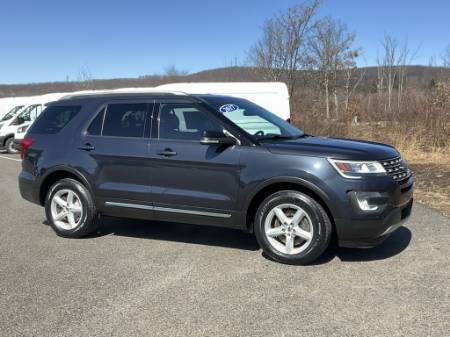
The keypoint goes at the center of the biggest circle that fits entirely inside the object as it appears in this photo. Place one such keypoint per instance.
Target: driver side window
(185, 122)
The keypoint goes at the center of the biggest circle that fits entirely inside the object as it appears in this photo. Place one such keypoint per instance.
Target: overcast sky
(52, 40)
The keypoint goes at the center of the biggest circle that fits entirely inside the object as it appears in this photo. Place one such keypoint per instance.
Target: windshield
(253, 119)
(11, 113)
(29, 114)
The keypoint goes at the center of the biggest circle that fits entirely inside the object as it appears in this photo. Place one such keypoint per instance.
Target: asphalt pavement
(138, 278)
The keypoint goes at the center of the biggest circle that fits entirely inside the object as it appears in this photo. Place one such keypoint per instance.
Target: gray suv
(210, 160)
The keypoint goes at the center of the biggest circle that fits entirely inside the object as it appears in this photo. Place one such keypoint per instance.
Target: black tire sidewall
(88, 208)
(321, 227)
(9, 146)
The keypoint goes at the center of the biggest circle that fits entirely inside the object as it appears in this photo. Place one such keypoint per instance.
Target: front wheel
(293, 228)
(9, 146)
(70, 209)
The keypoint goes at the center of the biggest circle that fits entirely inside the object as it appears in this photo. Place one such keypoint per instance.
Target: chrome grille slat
(393, 167)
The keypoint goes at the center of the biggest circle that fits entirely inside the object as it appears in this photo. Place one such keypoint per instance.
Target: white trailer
(272, 96)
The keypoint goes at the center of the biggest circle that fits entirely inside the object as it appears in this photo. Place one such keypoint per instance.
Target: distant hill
(418, 77)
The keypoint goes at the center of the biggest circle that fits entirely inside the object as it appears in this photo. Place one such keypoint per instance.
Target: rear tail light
(24, 145)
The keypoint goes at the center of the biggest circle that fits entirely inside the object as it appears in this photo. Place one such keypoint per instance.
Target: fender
(294, 180)
(63, 168)
(4, 138)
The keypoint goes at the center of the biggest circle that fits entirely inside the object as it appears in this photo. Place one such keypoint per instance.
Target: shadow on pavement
(233, 238)
(393, 245)
(168, 231)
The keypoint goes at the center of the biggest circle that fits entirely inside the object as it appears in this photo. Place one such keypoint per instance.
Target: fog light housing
(368, 202)
(364, 203)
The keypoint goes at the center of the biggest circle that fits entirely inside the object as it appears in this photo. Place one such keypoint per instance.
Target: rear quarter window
(54, 118)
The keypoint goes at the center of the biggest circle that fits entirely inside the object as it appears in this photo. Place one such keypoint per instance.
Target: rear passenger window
(54, 118)
(95, 129)
(125, 120)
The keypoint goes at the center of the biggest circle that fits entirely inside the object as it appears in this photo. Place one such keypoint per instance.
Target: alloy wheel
(288, 228)
(66, 209)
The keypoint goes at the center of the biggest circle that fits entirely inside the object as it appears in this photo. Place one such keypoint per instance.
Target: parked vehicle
(9, 128)
(25, 115)
(273, 96)
(19, 135)
(10, 114)
(7, 104)
(210, 160)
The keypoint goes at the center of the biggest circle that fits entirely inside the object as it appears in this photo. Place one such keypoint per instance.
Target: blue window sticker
(228, 108)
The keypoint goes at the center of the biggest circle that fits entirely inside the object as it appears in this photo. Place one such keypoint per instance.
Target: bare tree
(173, 71)
(387, 65)
(280, 53)
(331, 53)
(85, 78)
(446, 57)
(392, 69)
(352, 80)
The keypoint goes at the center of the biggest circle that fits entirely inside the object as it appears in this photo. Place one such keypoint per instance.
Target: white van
(272, 96)
(7, 104)
(10, 114)
(21, 117)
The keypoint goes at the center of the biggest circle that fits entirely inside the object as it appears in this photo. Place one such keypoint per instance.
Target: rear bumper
(360, 230)
(28, 187)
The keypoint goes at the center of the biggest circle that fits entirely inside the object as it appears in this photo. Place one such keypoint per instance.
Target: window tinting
(54, 118)
(125, 120)
(185, 122)
(95, 129)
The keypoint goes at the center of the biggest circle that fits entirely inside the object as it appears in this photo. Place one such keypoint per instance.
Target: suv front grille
(396, 168)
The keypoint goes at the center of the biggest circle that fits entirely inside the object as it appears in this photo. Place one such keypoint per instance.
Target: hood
(338, 148)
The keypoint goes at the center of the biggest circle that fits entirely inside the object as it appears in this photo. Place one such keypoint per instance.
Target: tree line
(317, 58)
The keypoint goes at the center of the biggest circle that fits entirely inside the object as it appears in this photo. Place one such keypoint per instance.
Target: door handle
(87, 147)
(167, 153)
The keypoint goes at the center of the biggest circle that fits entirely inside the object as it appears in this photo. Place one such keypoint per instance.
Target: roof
(228, 88)
(120, 92)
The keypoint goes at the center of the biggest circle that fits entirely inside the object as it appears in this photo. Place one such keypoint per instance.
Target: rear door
(114, 151)
(191, 182)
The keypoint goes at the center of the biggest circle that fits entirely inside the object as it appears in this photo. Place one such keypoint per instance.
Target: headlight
(356, 169)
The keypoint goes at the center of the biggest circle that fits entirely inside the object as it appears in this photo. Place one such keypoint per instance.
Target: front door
(191, 182)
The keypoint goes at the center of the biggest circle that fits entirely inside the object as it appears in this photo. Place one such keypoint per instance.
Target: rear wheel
(70, 209)
(9, 146)
(293, 228)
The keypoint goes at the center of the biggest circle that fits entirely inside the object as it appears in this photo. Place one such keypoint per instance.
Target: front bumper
(2, 142)
(363, 230)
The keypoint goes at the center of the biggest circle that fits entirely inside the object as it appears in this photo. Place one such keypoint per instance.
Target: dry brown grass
(430, 165)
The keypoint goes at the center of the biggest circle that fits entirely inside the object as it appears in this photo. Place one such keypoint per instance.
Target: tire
(9, 146)
(305, 233)
(81, 205)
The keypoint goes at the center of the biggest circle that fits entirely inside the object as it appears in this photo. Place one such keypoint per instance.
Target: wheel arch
(6, 137)
(285, 183)
(56, 174)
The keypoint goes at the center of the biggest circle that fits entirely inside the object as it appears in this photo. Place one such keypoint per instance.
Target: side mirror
(20, 120)
(217, 137)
